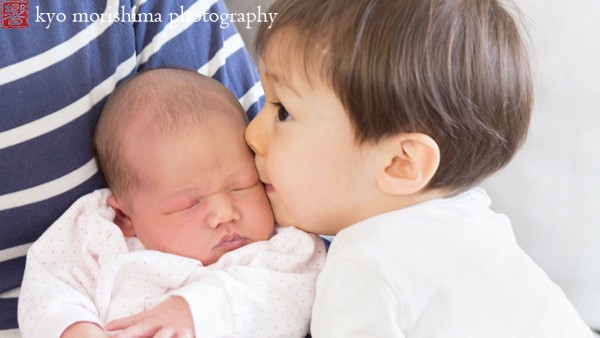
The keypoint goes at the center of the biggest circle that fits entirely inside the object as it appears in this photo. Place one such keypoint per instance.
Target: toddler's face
(199, 195)
(314, 171)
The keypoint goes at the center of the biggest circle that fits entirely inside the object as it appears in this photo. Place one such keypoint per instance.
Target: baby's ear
(411, 161)
(121, 218)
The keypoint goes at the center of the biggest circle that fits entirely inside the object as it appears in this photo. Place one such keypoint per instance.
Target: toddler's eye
(282, 113)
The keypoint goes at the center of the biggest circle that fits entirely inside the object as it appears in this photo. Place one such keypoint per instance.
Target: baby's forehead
(169, 120)
(213, 137)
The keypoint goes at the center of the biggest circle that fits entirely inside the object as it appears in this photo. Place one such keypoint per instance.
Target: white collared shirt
(443, 268)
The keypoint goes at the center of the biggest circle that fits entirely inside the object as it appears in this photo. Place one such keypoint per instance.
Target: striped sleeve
(54, 79)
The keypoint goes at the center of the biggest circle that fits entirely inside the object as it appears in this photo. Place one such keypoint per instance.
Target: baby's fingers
(123, 323)
(170, 319)
(147, 329)
(136, 326)
(142, 329)
(172, 333)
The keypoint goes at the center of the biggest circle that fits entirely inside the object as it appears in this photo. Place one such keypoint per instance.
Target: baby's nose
(222, 210)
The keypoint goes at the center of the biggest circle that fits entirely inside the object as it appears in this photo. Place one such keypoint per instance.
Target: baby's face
(199, 193)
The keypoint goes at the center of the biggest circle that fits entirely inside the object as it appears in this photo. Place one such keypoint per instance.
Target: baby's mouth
(231, 242)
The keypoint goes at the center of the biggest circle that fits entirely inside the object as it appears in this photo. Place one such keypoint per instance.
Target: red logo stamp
(15, 14)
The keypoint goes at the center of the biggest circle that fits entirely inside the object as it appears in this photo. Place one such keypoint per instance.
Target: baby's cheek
(265, 220)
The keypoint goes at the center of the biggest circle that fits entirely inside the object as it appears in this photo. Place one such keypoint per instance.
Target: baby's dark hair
(156, 102)
(456, 70)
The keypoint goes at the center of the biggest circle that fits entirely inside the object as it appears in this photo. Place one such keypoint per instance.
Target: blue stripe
(220, 8)
(255, 108)
(239, 62)
(20, 172)
(51, 95)
(25, 224)
(145, 33)
(8, 313)
(184, 44)
(11, 273)
(37, 39)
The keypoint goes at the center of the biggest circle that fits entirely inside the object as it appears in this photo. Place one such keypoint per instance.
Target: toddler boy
(381, 117)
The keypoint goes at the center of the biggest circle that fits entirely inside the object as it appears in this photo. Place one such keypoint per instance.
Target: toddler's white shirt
(444, 268)
(83, 269)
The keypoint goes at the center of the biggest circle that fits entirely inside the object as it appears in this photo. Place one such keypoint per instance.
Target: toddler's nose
(256, 135)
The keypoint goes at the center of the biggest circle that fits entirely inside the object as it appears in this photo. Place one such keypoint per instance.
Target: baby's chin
(210, 260)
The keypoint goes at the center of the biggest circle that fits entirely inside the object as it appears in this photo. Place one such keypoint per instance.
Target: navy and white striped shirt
(55, 77)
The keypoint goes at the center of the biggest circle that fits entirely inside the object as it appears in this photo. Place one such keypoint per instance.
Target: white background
(551, 191)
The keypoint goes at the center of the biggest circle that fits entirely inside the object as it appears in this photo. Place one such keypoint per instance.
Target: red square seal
(15, 14)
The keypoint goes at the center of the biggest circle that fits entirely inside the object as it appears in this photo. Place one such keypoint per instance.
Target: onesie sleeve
(267, 292)
(353, 301)
(60, 275)
(51, 306)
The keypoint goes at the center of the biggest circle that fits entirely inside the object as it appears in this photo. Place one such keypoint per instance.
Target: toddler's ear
(411, 161)
(121, 218)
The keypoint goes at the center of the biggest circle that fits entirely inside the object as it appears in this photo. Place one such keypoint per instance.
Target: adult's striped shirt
(59, 60)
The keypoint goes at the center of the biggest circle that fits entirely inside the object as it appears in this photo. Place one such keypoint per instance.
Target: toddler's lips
(231, 242)
(269, 188)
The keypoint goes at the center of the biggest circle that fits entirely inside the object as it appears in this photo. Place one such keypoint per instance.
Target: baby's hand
(84, 329)
(170, 319)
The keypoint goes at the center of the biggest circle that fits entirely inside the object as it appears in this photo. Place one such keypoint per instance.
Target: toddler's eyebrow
(280, 81)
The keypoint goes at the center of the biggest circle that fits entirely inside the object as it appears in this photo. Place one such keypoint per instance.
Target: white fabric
(84, 269)
(443, 268)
